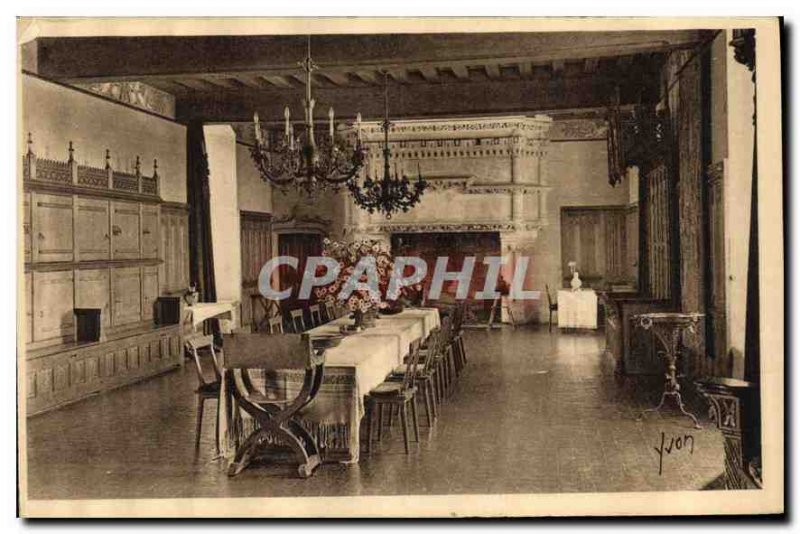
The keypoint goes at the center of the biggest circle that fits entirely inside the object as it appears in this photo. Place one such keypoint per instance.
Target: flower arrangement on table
(361, 301)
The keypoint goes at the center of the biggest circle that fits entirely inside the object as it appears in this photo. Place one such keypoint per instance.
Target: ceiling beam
(431, 74)
(97, 59)
(250, 81)
(504, 96)
(370, 76)
(461, 72)
(492, 70)
(399, 75)
(336, 78)
(278, 81)
(220, 82)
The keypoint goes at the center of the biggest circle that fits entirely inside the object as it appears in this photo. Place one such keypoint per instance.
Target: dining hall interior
(160, 174)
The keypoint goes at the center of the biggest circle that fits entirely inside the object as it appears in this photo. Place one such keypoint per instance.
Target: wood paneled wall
(256, 246)
(174, 271)
(658, 233)
(596, 238)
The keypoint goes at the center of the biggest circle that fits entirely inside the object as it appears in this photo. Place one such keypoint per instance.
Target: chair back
(411, 365)
(316, 315)
(298, 322)
(330, 311)
(194, 345)
(436, 341)
(549, 298)
(276, 325)
(458, 320)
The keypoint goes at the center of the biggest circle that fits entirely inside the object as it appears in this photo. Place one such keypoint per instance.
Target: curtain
(201, 253)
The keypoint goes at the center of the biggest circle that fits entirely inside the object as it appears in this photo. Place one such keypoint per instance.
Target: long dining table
(359, 363)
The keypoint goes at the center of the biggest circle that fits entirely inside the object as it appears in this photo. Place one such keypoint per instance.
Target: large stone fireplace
(485, 175)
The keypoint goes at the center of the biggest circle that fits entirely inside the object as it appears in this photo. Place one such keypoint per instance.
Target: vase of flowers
(363, 303)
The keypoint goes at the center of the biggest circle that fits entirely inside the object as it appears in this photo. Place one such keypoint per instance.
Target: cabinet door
(92, 290)
(52, 305)
(125, 230)
(52, 227)
(91, 229)
(150, 232)
(28, 307)
(26, 225)
(149, 291)
(127, 292)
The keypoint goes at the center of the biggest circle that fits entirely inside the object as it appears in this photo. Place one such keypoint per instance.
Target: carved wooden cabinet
(52, 305)
(126, 288)
(92, 236)
(28, 307)
(92, 290)
(149, 291)
(174, 228)
(26, 225)
(52, 227)
(125, 231)
(149, 230)
(55, 378)
(92, 240)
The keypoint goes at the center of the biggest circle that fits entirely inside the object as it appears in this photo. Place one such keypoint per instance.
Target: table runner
(352, 369)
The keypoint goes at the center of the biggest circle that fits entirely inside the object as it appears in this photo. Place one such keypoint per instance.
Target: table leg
(671, 341)
(277, 421)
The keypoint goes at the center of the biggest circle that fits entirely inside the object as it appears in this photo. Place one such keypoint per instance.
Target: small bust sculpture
(576, 282)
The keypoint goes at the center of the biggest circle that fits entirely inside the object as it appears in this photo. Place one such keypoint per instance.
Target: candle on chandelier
(286, 116)
(358, 125)
(257, 127)
(291, 137)
(330, 121)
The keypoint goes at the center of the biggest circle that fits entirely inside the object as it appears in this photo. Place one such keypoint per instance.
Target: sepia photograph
(399, 267)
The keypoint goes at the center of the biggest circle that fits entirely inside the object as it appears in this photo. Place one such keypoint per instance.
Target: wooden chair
(316, 315)
(391, 393)
(297, 320)
(426, 371)
(330, 311)
(269, 308)
(457, 355)
(206, 389)
(276, 325)
(552, 307)
(445, 357)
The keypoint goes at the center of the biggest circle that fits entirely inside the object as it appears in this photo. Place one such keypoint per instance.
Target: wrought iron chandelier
(393, 192)
(307, 163)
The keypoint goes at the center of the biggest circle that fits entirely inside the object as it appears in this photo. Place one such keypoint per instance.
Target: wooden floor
(534, 412)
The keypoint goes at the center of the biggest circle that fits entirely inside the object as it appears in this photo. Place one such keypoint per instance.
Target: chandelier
(393, 192)
(306, 162)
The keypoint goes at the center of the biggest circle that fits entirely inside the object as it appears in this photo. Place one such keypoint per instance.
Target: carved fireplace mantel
(485, 174)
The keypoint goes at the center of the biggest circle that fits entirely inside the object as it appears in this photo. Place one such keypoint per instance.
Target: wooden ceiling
(227, 78)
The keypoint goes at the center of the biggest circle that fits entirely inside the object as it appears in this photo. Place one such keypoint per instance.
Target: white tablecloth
(200, 311)
(352, 369)
(577, 309)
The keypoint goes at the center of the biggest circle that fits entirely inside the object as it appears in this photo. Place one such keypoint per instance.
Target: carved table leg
(671, 340)
(276, 421)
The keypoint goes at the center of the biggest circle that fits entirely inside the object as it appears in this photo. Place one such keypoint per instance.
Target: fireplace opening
(456, 246)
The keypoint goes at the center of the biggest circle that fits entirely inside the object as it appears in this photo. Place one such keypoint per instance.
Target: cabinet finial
(138, 166)
(155, 167)
(108, 159)
(30, 144)
(71, 153)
